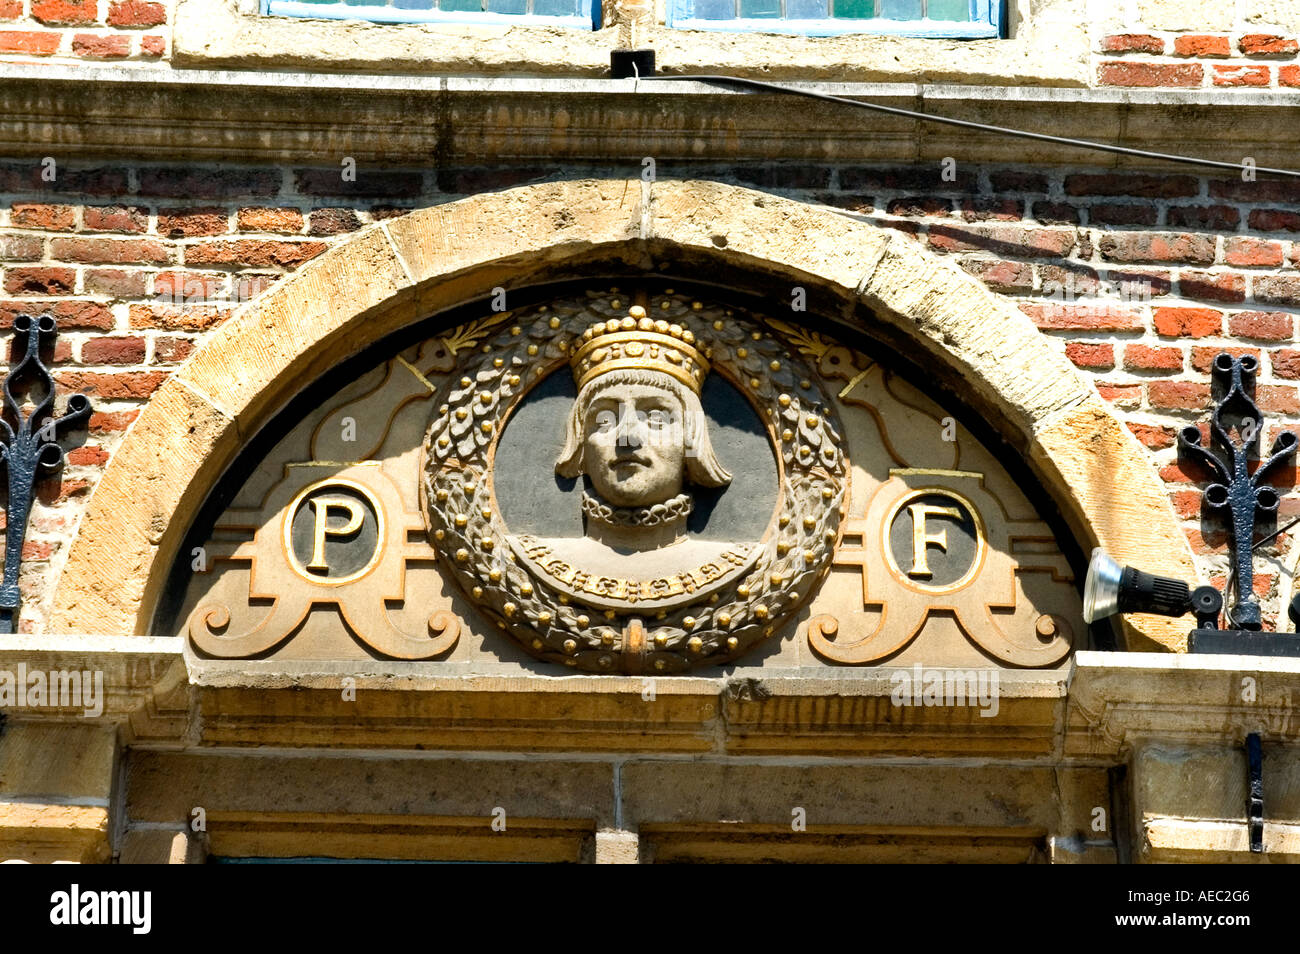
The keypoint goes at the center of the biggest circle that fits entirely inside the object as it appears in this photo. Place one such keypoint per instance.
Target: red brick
(111, 422)
(1125, 73)
(1240, 75)
(1086, 354)
(1187, 322)
(92, 47)
(254, 252)
(169, 350)
(1004, 240)
(21, 248)
(32, 44)
(1244, 250)
(1002, 276)
(152, 46)
(39, 549)
(115, 283)
(1212, 286)
(136, 13)
(914, 206)
(1139, 357)
(1278, 398)
(248, 287)
(70, 313)
(1187, 503)
(1056, 213)
(40, 281)
(1263, 325)
(192, 223)
(1158, 247)
(1264, 44)
(1009, 181)
(332, 221)
(115, 218)
(1184, 472)
(176, 317)
(106, 251)
(187, 182)
(88, 456)
(113, 351)
(1152, 436)
(1178, 395)
(1286, 364)
(1122, 395)
(11, 9)
(1274, 220)
(1288, 75)
(1097, 316)
(1206, 218)
(1115, 213)
(112, 385)
(985, 209)
(1067, 282)
(1203, 357)
(1277, 290)
(51, 218)
(260, 219)
(64, 12)
(1198, 45)
(1132, 43)
(1134, 286)
(182, 288)
(1133, 185)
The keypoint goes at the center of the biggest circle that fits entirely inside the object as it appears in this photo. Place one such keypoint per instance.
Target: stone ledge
(148, 113)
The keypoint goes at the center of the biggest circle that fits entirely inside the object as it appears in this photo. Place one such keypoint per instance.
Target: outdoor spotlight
(1111, 588)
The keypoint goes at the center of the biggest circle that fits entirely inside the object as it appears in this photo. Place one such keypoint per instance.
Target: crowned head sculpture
(637, 429)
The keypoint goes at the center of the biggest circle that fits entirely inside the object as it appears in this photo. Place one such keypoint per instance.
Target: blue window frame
(582, 14)
(960, 19)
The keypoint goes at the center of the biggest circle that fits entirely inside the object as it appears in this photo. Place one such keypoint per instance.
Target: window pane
(855, 9)
(715, 9)
(413, 4)
(900, 9)
(949, 10)
(461, 6)
(760, 8)
(507, 6)
(555, 8)
(805, 9)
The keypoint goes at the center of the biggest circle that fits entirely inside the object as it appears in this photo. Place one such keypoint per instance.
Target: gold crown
(642, 343)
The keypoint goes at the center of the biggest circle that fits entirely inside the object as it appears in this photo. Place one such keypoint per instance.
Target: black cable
(968, 124)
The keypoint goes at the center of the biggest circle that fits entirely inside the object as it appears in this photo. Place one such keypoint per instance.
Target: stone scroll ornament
(636, 594)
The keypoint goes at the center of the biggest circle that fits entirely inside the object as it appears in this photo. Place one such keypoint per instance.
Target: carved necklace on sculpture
(673, 510)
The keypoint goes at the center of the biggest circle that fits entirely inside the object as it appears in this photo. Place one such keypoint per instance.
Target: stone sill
(1048, 48)
(394, 120)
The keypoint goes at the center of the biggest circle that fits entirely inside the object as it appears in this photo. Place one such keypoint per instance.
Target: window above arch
(582, 14)
(951, 19)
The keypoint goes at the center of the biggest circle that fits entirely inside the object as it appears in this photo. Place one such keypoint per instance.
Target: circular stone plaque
(641, 582)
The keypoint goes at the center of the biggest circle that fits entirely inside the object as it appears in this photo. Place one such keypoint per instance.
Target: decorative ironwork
(1243, 497)
(1255, 797)
(29, 445)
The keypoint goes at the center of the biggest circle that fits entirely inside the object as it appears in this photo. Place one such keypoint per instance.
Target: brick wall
(1143, 278)
(1252, 60)
(96, 30)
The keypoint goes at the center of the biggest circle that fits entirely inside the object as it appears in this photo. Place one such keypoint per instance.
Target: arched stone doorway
(393, 274)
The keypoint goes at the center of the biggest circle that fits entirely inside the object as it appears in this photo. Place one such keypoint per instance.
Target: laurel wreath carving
(470, 536)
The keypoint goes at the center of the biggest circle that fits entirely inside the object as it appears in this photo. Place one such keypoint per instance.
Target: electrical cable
(716, 79)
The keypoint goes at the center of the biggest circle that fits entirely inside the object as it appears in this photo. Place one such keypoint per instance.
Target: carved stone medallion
(638, 589)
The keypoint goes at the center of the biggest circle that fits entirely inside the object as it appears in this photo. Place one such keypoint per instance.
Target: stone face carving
(637, 591)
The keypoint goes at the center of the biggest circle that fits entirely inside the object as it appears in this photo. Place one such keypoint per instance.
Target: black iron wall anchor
(29, 446)
(1241, 497)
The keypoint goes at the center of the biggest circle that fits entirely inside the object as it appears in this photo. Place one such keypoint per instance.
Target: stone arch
(396, 272)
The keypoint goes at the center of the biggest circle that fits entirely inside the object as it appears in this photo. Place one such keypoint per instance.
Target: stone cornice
(159, 114)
